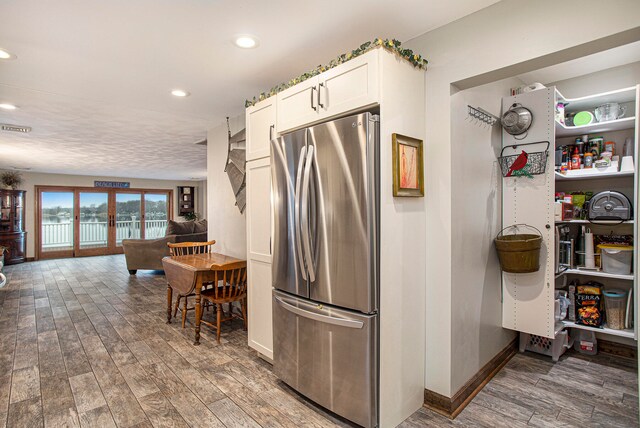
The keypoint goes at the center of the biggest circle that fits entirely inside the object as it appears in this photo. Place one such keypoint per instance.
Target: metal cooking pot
(517, 120)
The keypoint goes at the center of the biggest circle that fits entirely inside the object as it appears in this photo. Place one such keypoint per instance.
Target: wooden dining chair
(232, 287)
(185, 249)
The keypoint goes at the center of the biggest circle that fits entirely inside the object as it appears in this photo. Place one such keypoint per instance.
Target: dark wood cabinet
(186, 200)
(12, 234)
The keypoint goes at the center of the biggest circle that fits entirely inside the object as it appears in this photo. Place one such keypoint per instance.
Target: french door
(92, 221)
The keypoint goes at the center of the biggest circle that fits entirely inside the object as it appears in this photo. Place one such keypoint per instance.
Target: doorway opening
(86, 221)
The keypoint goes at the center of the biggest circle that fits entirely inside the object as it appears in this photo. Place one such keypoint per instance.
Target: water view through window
(57, 221)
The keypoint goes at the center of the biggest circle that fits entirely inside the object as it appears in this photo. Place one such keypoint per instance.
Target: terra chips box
(589, 304)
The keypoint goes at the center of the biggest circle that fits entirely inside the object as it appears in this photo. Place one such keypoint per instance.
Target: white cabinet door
(350, 86)
(298, 105)
(261, 128)
(259, 308)
(259, 256)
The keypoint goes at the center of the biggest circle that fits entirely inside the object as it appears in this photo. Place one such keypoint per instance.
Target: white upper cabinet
(261, 128)
(348, 87)
(351, 86)
(298, 105)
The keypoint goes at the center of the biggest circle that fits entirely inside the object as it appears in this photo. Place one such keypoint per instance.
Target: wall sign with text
(113, 184)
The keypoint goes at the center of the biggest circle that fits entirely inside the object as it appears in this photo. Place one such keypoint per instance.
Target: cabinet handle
(271, 129)
(320, 86)
(313, 88)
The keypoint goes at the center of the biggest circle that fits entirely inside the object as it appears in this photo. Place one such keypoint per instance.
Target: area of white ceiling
(604, 60)
(93, 78)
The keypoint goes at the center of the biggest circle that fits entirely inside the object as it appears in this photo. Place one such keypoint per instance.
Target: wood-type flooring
(83, 343)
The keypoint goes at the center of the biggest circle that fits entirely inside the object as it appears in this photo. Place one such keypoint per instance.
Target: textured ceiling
(92, 78)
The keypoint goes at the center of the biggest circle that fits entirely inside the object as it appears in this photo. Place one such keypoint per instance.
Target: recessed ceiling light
(6, 106)
(6, 54)
(246, 41)
(180, 93)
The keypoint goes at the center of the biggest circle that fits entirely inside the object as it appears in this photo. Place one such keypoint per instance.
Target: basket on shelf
(519, 252)
(545, 346)
(524, 163)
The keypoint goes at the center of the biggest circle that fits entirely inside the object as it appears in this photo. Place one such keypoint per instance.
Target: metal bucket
(519, 252)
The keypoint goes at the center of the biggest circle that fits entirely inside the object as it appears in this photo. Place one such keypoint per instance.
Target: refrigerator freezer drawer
(329, 355)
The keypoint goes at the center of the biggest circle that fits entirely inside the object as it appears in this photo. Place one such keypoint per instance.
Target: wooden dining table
(187, 274)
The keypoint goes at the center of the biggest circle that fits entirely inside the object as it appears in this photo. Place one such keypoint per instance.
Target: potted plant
(11, 179)
(192, 216)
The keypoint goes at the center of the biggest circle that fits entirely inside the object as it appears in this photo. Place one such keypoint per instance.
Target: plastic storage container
(585, 342)
(616, 259)
(545, 346)
(615, 303)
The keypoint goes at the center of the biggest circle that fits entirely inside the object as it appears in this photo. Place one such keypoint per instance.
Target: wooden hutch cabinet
(12, 234)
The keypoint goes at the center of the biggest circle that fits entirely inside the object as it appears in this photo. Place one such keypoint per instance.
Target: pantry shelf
(595, 273)
(621, 333)
(597, 127)
(592, 175)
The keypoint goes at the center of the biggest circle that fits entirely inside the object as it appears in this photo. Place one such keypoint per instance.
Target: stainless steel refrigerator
(325, 181)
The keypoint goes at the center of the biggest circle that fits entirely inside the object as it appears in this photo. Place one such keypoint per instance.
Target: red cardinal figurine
(520, 162)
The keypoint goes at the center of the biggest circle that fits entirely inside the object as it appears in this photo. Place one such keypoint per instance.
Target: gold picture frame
(408, 166)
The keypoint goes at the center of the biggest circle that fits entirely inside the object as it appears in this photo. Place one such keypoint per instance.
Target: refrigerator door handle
(319, 317)
(304, 220)
(300, 257)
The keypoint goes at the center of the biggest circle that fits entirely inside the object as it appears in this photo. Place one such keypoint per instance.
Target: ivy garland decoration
(392, 45)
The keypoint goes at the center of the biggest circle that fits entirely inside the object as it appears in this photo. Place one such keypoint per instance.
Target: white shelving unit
(592, 174)
(528, 302)
(596, 127)
(596, 273)
(605, 330)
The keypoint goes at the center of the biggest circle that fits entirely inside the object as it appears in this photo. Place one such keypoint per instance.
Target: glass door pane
(94, 220)
(57, 221)
(156, 213)
(128, 208)
(5, 213)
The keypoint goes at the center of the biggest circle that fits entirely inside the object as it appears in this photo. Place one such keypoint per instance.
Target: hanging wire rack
(482, 115)
(534, 163)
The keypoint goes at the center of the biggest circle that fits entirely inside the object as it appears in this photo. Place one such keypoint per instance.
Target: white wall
(32, 179)
(505, 34)
(226, 225)
(477, 207)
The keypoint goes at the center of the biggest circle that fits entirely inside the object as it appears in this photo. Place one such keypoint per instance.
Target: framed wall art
(408, 167)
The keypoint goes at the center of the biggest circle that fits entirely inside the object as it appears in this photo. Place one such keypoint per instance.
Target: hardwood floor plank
(26, 413)
(547, 421)
(100, 417)
(194, 412)
(25, 384)
(231, 415)
(119, 352)
(160, 412)
(138, 380)
(262, 412)
(143, 353)
(504, 407)
(124, 407)
(86, 392)
(475, 415)
(165, 379)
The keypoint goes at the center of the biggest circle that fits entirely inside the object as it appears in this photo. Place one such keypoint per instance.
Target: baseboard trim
(617, 349)
(451, 407)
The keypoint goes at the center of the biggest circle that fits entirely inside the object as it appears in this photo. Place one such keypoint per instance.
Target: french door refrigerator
(325, 264)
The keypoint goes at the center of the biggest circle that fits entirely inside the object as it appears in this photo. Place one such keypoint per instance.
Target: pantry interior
(527, 302)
